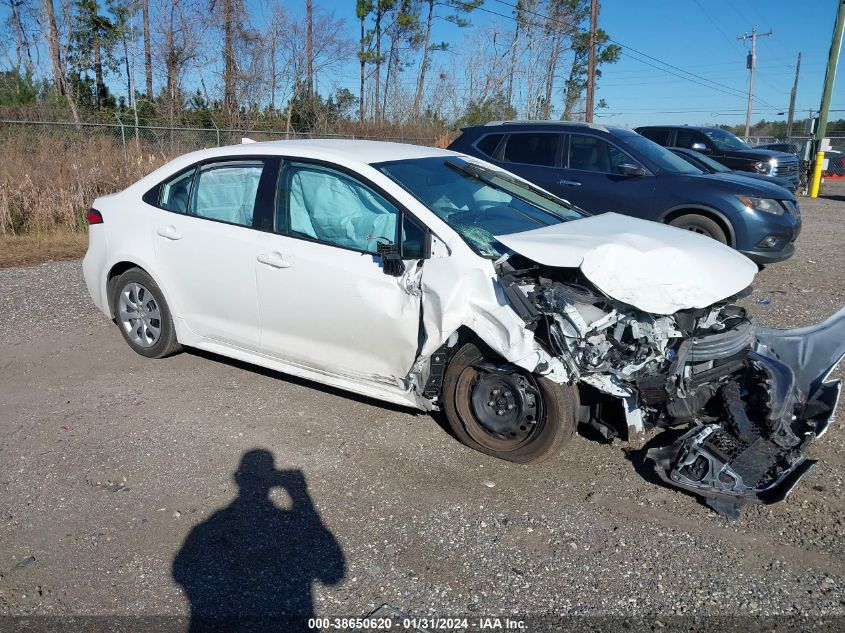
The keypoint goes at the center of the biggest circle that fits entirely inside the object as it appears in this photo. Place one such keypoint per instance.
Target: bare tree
(148, 55)
(51, 33)
(20, 21)
(405, 35)
(561, 26)
(229, 62)
(309, 46)
(175, 45)
(456, 9)
(382, 8)
(331, 49)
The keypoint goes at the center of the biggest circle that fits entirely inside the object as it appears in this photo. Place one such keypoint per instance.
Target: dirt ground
(123, 481)
(28, 250)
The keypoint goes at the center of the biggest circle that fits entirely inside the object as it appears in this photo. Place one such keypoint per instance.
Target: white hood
(657, 268)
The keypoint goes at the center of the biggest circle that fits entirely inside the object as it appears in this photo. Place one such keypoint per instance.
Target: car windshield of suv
(725, 140)
(660, 156)
(478, 202)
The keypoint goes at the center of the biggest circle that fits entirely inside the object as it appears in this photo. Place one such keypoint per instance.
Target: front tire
(702, 225)
(507, 412)
(142, 315)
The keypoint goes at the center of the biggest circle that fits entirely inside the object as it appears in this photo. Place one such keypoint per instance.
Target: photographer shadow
(251, 565)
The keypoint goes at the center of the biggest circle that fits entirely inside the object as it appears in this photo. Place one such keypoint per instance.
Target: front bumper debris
(754, 453)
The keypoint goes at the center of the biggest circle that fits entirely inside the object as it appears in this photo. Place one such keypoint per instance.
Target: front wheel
(702, 225)
(505, 411)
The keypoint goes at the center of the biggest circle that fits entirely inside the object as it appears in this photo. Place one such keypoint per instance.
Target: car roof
(347, 150)
(677, 127)
(545, 125)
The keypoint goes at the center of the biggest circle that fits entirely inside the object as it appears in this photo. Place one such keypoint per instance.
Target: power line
(718, 28)
(630, 49)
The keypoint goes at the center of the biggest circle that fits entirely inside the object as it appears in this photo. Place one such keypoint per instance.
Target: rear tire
(142, 315)
(534, 418)
(702, 225)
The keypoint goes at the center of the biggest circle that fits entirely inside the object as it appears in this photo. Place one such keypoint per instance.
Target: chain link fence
(802, 146)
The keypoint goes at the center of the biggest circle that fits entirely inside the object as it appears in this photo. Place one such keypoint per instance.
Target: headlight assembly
(766, 205)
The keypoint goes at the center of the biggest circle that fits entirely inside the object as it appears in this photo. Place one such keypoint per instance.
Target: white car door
(325, 301)
(206, 247)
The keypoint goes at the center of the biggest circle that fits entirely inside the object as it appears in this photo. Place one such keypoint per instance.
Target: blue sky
(700, 37)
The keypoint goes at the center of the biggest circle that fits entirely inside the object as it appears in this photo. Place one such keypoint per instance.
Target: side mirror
(699, 147)
(629, 169)
(391, 259)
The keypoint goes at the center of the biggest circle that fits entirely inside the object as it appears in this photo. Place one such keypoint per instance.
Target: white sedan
(431, 279)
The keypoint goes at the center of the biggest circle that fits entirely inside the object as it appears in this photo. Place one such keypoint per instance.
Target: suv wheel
(702, 225)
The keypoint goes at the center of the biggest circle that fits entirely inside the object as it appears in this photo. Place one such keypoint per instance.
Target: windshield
(660, 156)
(478, 202)
(725, 140)
(714, 166)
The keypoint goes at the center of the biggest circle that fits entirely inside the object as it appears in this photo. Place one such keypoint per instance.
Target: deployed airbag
(328, 206)
(227, 193)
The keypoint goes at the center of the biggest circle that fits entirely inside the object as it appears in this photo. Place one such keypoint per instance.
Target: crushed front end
(746, 401)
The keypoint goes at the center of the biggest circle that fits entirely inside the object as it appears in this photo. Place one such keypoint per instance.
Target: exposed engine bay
(747, 398)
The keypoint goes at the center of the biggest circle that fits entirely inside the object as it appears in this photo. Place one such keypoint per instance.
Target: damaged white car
(431, 279)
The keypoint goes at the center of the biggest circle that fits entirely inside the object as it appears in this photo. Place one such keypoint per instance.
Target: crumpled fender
(813, 352)
(474, 300)
(730, 467)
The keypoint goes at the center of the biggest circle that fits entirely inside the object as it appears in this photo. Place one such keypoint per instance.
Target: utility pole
(591, 62)
(829, 78)
(792, 99)
(830, 73)
(752, 66)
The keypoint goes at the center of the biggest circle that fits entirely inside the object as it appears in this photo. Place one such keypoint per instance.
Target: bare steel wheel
(142, 315)
(504, 411)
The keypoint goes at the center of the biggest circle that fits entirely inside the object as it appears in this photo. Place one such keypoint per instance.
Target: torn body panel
(672, 351)
(751, 398)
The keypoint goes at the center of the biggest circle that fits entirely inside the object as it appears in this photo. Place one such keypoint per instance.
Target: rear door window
(489, 143)
(685, 138)
(532, 148)
(226, 192)
(590, 153)
(658, 135)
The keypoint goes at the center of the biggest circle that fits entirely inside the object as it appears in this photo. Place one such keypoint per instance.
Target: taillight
(94, 217)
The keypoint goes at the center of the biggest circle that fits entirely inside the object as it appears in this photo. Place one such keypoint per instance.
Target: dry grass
(28, 250)
(48, 180)
(50, 176)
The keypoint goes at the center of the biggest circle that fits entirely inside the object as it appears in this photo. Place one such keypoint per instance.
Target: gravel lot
(108, 461)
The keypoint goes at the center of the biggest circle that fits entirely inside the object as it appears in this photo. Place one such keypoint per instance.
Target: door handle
(570, 183)
(169, 233)
(273, 259)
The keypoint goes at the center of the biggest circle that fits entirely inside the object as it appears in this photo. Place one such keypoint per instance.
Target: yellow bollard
(817, 175)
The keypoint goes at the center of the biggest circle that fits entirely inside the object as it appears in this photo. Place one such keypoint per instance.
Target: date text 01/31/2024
(415, 624)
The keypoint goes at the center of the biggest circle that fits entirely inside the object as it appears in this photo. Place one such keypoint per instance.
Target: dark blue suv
(603, 169)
